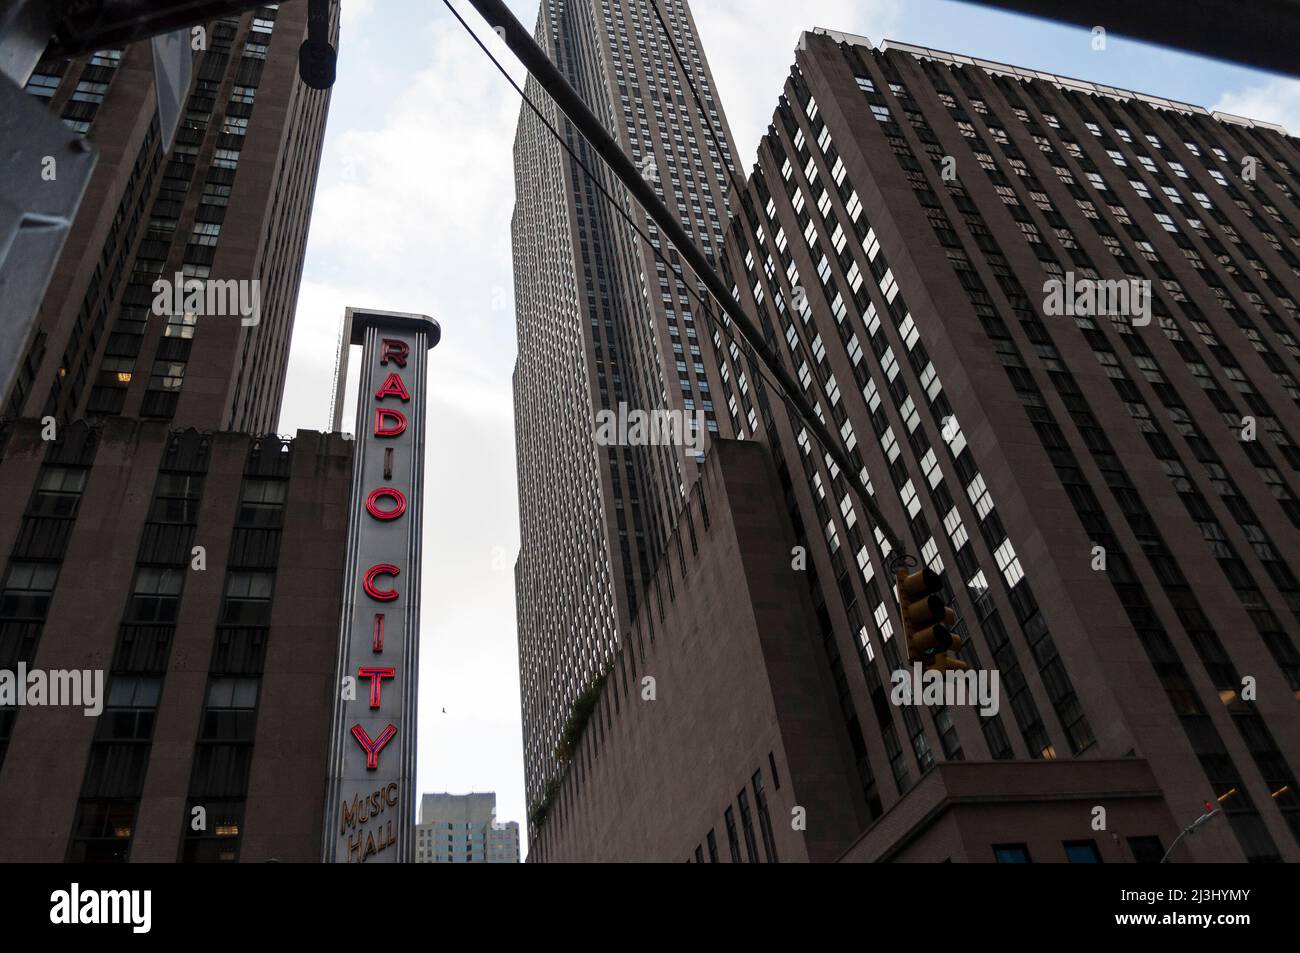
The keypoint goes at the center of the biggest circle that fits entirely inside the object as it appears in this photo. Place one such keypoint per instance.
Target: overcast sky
(413, 212)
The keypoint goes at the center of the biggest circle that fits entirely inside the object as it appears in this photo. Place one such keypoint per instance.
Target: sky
(412, 213)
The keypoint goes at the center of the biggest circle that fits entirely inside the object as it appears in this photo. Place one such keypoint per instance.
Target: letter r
(396, 351)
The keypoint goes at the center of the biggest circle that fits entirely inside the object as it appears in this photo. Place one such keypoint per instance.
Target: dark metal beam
(102, 24)
(1260, 33)
(25, 28)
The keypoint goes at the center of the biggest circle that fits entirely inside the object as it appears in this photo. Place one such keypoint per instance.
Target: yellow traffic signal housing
(927, 621)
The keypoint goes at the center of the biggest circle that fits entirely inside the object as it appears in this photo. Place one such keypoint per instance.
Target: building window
(167, 375)
(733, 842)
(1011, 854)
(219, 843)
(248, 599)
(43, 85)
(58, 491)
(206, 233)
(155, 596)
(102, 832)
(747, 824)
(1082, 852)
(1146, 849)
(262, 503)
(27, 590)
(764, 819)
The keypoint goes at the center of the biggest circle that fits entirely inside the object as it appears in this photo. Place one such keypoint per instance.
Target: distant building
(463, 829)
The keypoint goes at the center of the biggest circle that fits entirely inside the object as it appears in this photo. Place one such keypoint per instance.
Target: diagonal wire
(705, 306)
(869, 504)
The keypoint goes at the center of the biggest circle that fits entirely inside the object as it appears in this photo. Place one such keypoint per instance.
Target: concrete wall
(727, 633)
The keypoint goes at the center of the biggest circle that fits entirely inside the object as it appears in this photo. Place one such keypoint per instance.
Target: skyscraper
(1054, 323)
(229, 205)
(463, 829)
(601, 323)
(165, 554)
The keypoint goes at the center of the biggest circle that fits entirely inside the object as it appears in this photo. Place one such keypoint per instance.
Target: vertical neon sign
(369, 804)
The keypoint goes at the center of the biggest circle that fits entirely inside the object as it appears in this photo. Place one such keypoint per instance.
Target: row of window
(113, 783)
(224, 753)
(1144, 849)
(1255, 839)
(742, 807)
(27, 587)
(117, 369)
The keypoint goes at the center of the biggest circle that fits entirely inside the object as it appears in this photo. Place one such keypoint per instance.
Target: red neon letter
(373, 591)
(383, 429)
(393, 387)
(376, 676)
(398, 498)
(372, 748)
(378, 640)
(397, 350)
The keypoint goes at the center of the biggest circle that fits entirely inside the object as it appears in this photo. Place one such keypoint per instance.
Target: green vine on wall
(570, 736)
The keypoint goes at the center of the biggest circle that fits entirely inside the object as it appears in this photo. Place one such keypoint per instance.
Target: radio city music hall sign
(368, 813)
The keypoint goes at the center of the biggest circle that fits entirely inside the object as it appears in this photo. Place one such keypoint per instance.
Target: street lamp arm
(1191, 828)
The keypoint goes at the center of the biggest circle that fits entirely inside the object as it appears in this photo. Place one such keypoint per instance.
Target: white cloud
(1276, 100)
(750, 47)
(354, 11)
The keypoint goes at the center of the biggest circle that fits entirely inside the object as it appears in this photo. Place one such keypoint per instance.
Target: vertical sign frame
(370, 795)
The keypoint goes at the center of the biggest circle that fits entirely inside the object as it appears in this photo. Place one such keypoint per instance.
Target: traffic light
(317, 59)
(927, 621)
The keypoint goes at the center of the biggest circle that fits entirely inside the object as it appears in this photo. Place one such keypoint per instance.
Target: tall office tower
(171, 586)
(1055, 323)
(230, 203)
(602, 323)
(463, 829)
